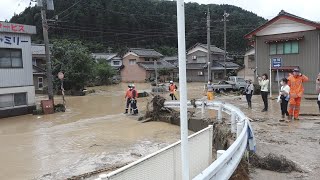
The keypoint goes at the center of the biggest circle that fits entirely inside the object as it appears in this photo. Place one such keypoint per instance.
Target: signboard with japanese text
(276, 62)
(17, 28)
(10, 40)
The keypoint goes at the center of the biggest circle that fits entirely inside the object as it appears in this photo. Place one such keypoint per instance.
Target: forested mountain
(140, 23)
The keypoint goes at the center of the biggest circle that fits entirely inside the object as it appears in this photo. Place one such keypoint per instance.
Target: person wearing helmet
(210, 88)
(134, 96)
(127, 97)
(295, 82)
(172, 89)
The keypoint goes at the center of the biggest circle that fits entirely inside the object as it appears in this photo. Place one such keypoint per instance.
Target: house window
(200, 73)
(40, 82)
(194, 57)
(132, 61)
(20, 99)
(11, 100)
(290, 47)
(11, 58)
(116, 63)
(34, 62)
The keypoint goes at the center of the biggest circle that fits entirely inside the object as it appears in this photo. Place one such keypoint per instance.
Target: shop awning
(284, 39)
(285, 68)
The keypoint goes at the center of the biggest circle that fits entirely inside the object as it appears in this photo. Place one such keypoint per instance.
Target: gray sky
(266, 8)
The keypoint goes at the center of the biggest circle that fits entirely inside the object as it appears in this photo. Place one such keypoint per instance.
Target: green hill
(140, 23)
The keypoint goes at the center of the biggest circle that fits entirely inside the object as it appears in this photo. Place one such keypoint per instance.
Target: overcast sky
(308, 9)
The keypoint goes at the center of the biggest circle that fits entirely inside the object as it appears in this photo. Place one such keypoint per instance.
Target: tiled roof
(196, 65)
(149, 65)
(145, 52)
(172, 60)
(107, 56)
(219, 65)
(213, 48)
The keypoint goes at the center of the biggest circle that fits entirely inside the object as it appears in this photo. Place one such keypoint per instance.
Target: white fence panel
(166, 163)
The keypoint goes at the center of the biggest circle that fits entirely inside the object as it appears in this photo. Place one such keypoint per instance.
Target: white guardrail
(166, 163)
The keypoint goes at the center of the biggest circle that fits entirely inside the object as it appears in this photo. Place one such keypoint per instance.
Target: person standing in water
(264, 83)
(172, 89)
(134, 100)
(128, 99)
(249, 92)
(209, 88)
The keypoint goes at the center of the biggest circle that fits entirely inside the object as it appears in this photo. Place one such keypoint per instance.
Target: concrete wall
(133, 73)
(249, 66)
(26, 89)
(308, 58)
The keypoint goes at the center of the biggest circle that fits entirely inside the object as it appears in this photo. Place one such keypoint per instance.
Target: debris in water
(272, 162)
(136, 154)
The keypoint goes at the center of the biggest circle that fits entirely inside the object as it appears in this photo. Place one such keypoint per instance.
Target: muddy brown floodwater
(92, 134)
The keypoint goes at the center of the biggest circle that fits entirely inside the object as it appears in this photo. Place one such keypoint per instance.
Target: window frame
(11, 67)
(40, 82)
(113, 63)
(283, 44)
(132, 60)
(13, 104)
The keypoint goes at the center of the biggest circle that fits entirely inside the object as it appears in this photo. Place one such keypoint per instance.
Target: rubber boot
(126, 112)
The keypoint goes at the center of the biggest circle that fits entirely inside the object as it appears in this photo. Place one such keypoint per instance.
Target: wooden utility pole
(225, 15)
(47, 48)
(208, 44)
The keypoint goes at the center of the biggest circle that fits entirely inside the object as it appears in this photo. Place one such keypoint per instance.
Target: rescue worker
(134, 97)
(172, 89)
(296, 92)
(210, 89)
(128, 99)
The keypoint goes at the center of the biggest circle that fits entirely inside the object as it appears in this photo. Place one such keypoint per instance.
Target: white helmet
(171, 82)
(132, 85)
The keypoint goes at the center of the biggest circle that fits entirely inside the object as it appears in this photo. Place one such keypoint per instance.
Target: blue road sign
(276, 62)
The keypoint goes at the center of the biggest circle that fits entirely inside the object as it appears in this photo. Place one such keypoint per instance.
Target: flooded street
(93, 134)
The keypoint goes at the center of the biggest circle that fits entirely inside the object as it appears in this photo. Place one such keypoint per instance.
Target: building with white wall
(17, 93)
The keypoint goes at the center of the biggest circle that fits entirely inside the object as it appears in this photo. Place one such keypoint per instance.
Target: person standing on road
(264, 83)
(249, 92)
(128, 99)
(134, 99)
(318, 89)
(296, 81)
(172, 89)
(210, 89)
(284, 97)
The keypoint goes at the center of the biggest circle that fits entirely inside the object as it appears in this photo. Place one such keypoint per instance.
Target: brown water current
(92, 134)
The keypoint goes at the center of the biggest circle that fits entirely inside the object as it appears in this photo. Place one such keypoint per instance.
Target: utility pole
(208, 44)
(183, 90)
(225, 15)
(47, 50)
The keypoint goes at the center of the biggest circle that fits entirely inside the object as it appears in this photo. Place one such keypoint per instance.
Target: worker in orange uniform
(134, 97)
(296, 91)
(128, 99)
(172, 89)
(210, 88)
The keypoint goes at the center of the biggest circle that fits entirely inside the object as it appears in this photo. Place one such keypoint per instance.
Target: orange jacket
(172, 88)
(134, 94)
(128, 93)
(296, 86)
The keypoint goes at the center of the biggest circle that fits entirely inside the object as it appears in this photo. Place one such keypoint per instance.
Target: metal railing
(227, 162)
(166, 163)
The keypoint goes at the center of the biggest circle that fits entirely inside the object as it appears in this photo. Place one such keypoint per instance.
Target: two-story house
(111, 58)
(39, 67)
(139, 65)
(17, 93)
(248, 70)
(197, 68)
(294, 40)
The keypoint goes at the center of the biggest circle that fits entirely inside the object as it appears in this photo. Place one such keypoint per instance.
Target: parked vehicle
(238, 83)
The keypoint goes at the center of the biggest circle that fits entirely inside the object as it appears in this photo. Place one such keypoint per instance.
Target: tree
(103, 72)
(74, 60)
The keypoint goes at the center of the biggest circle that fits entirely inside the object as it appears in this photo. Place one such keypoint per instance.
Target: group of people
(131, 100)
(291, 92)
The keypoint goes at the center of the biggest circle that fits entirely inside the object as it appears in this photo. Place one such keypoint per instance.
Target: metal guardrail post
(239, 128)
(210, 143)
(202, 110)
(233, 122)
(220, 152)
(220, 113)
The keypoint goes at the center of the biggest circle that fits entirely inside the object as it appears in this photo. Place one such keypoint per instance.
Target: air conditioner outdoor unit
(194, 57)
(200, 73)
